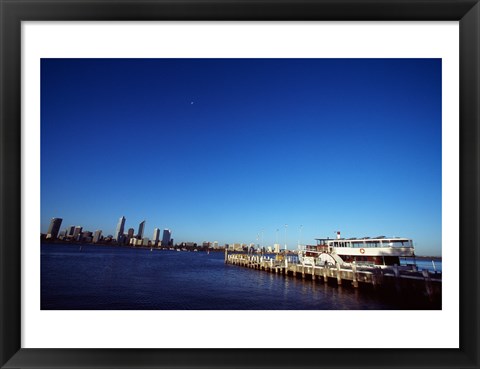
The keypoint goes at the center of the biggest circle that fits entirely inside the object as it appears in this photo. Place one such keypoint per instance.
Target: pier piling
(354, 276)
(396, 272)
(428, 286)
(392, 278)
(339, 275)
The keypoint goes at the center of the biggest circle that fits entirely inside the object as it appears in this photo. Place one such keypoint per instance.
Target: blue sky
(221, 149)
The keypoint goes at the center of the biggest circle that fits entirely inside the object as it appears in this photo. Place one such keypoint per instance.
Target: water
(423, 264)
(120, 278)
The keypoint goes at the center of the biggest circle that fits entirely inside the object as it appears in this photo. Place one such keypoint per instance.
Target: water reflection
(123, 278)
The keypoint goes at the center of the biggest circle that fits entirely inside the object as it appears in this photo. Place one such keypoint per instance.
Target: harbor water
(88, 277)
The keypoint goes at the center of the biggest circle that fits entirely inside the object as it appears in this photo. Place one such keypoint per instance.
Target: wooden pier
(393, 279)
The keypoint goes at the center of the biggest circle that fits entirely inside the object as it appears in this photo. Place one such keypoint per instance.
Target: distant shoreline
(429, 257)
(435, 258)
(76, 243)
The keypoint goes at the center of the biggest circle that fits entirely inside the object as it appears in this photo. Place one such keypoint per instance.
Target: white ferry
(376, 251)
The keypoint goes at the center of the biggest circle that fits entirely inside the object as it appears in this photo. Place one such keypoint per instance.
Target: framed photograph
(239, 184)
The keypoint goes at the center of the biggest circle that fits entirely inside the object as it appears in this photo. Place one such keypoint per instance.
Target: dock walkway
(394, 278)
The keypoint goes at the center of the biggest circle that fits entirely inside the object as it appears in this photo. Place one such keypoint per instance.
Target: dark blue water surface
(121, 278)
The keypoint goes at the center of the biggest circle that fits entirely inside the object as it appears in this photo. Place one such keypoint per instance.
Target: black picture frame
(13, 12)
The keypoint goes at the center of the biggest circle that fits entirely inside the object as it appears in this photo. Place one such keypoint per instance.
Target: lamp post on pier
(300, 237)
(262, 238)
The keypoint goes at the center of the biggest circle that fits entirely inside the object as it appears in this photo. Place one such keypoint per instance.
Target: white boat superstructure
(375, 251)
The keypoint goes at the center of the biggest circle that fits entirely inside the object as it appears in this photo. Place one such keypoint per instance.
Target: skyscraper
(54, 227)
(156, 236)
(141, 228)
(120, 226)
(96, 236)
(70, 231)
(77, 233)
(166, 237)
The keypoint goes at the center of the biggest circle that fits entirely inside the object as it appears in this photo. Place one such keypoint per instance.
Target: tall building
(156, 236)
(166, 237)
(130, 235)
(70, 231)
(96, 236)
(54, 227)
(77, 233)
(86, 236)
(141, 228)
(120, 227)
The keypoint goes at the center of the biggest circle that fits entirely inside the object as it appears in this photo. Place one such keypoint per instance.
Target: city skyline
(242, 147)
(167, 233)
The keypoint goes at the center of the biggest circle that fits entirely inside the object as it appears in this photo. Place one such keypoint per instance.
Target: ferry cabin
(377, 251)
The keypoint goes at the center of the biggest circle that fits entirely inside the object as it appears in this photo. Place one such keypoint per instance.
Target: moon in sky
(191, 102)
